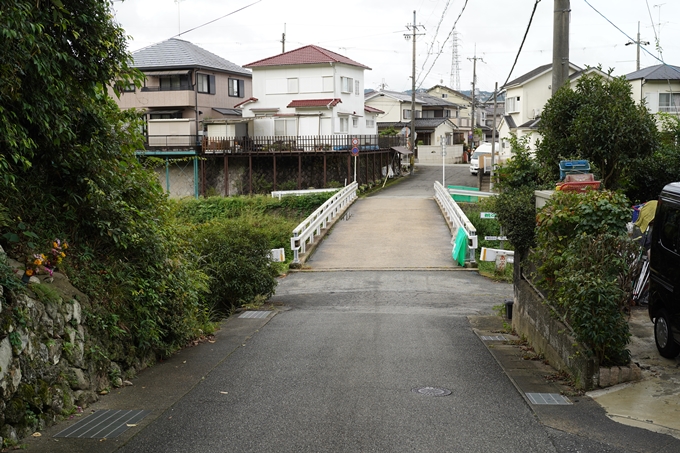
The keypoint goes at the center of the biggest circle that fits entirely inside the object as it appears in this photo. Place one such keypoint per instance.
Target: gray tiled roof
(177, 53)
(510, 121)
(658, 72)
(420, 122)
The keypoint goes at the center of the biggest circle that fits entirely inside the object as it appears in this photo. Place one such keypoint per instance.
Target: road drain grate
(493, 338)
(103, 424)
(254, 314)
(431, 391)
(548, 399)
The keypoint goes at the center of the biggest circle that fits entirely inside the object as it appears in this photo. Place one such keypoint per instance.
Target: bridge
(401, 227)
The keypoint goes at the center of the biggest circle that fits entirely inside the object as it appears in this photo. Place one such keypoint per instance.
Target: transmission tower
(455, 63)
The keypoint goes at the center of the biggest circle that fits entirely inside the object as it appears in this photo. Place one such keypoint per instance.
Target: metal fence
(290, 144)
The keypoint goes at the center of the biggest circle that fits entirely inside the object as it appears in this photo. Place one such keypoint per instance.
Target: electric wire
(523, 40)
(626, 35)
(215, 20)
(436, 32)
(444, 45)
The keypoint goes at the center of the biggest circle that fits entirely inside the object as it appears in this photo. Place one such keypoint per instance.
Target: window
(206, 83)
(444, 95)
(237, 88)
(293, 85)
(165, 115)
(669, 102)
(346, 84)
(356, 87)
(285, 126)
(344, 124)
(512, 104)
(173, 83)
(407, 114)
(355, 122)
(370, 123)
(123, 87)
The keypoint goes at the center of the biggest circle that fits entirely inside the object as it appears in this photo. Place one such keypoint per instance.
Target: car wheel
(663, 335)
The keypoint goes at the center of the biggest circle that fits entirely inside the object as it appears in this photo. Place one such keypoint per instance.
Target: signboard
(495, 238)
(355, 146)
(487, 215)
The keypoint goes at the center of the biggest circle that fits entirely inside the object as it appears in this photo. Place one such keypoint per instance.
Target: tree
(597, 121)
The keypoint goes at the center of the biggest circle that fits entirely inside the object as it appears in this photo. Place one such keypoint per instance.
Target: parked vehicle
(483, 149)
(664, 291)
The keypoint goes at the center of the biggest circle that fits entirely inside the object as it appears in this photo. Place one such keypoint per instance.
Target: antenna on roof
(179, 31)
(283, 39)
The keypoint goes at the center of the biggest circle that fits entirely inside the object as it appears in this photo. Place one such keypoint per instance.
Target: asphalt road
(335, 369)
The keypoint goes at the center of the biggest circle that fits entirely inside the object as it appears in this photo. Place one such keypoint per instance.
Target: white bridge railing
(313, 224)
(298, 193)
(457, 218)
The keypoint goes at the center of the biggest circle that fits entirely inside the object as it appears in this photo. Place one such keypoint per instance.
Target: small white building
(309, 91)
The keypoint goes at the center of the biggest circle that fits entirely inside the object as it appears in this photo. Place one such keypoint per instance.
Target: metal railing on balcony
(173, 141)
(287, 144)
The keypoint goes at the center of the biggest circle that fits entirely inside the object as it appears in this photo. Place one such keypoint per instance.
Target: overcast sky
(372, 33)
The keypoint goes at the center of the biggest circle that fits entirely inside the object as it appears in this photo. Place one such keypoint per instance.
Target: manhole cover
(431, 391)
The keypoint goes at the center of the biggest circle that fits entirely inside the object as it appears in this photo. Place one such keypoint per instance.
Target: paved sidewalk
(156, 389)
(584, 416)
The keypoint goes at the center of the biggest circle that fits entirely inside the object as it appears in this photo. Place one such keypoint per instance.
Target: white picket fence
(305, 232)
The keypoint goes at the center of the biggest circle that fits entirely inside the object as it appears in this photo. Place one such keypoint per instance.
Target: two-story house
(310, 91)
(183, 86)
(435, 118)
(658, 86)
(525, 98)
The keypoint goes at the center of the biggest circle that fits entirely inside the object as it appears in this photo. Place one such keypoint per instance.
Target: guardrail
(312, 225)
(457, 217)
(298, 193)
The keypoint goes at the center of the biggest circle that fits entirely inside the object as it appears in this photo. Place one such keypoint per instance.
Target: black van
(664, 290)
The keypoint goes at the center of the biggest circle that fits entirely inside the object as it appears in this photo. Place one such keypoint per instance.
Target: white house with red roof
(310, 91)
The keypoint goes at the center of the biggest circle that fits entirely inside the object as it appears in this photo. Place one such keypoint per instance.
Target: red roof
(370, 109)
(245, 102)
(305, 55)
(314, 103)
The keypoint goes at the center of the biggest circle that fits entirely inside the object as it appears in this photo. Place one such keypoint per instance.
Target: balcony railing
(173, 141)
(286, 144)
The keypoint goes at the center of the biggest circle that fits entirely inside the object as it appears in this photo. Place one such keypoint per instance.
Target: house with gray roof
(184, 86)
(435, 120)
(658, 86)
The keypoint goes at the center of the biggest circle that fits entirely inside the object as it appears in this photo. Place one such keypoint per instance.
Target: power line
(626, 35)
(523, 40)
(447, 39)
(215, 20)
(436, 33)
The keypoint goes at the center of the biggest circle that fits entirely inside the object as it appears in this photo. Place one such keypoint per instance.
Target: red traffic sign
(355, 151)
(355, 142)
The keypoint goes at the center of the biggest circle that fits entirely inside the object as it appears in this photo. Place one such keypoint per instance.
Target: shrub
(585, 261)
(236, 260)
(592, 292)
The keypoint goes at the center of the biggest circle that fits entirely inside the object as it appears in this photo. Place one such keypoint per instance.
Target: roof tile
(305, 55)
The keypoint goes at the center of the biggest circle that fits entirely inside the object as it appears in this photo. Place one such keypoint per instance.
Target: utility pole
(414, 28)
(493, 136)
(638, 43)
(473, 120)
(283, 39)
(560, 63)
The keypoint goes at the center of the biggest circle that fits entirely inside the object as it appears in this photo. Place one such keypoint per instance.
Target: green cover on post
(460, 247)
